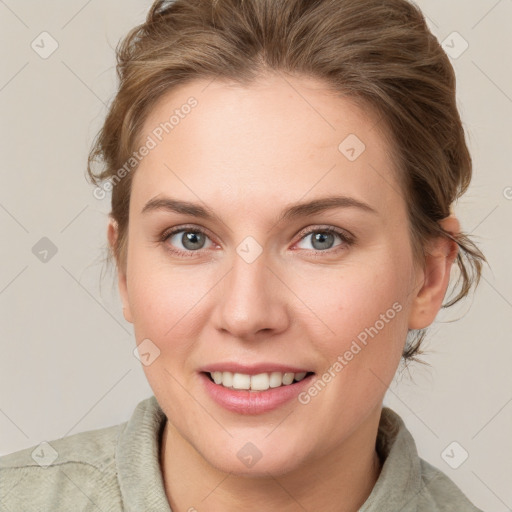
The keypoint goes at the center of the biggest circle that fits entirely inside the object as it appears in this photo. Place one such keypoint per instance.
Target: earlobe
(112, 234)
(434, 278)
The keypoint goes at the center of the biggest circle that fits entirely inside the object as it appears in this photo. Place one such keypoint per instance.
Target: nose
(252, 301)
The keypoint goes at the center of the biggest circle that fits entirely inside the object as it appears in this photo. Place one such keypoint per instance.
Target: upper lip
(252, 369)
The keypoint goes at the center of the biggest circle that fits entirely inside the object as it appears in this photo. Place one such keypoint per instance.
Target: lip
(253, 369)
(252, 402)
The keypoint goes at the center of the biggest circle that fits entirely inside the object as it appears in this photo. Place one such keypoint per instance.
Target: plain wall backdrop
(66, 358)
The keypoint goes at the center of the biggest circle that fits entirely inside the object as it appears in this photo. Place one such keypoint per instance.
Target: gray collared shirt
(117, 469)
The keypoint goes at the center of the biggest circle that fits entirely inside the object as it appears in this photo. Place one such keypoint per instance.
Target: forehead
(277, 140)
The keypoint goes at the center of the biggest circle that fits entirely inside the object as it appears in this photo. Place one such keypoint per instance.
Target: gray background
(67, 362)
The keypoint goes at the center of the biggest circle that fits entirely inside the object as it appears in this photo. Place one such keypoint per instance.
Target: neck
(338, 481)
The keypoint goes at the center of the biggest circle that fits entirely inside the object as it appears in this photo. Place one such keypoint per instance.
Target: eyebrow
(293, 211)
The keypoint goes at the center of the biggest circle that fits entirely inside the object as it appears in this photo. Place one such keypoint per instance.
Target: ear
(112, 234)
(434, 278)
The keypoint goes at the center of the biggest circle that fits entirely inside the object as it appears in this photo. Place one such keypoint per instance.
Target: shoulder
(439, 493)
(65, 473)
(92, 448)
(408, 482)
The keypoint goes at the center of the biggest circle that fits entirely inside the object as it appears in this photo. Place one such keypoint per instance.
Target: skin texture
(247, 153)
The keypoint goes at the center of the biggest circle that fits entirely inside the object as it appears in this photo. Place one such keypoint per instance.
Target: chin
(258, 458)
(275, 464)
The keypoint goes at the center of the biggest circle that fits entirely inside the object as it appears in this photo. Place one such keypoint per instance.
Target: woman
(282, 176)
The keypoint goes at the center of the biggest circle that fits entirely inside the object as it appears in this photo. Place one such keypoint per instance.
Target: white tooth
(227, 379)
(276, 379)
(241, 381)
(288, 378)
(260, 382)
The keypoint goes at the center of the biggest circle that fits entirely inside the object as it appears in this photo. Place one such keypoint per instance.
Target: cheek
(165, 305)
(349, 302)
(165, 300)
(170, 304)
(361, 337)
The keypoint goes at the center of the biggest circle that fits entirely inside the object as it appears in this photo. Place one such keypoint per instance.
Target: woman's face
(263, 288)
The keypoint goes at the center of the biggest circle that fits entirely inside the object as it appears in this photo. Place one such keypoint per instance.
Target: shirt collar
(399, 482)
(138, 460)
(142, 487)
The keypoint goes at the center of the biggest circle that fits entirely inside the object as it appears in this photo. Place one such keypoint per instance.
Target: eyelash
(347, 240)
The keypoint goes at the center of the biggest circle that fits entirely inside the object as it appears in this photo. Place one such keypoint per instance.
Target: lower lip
(253, 402)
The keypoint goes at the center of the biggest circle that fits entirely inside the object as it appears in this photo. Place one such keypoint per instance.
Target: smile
(259, 382)
(254, 388)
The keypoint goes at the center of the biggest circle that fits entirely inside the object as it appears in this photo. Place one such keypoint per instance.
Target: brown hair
(378, 52)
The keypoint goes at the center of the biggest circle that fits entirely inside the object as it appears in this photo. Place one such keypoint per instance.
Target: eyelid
(186, 227)
(343, 233)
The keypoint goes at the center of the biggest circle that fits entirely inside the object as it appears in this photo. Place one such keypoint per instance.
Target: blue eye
(188, 241)
(191, 240)
(322, 239)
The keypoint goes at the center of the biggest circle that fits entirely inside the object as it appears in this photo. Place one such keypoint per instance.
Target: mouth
(259, 382)
(255, 388)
